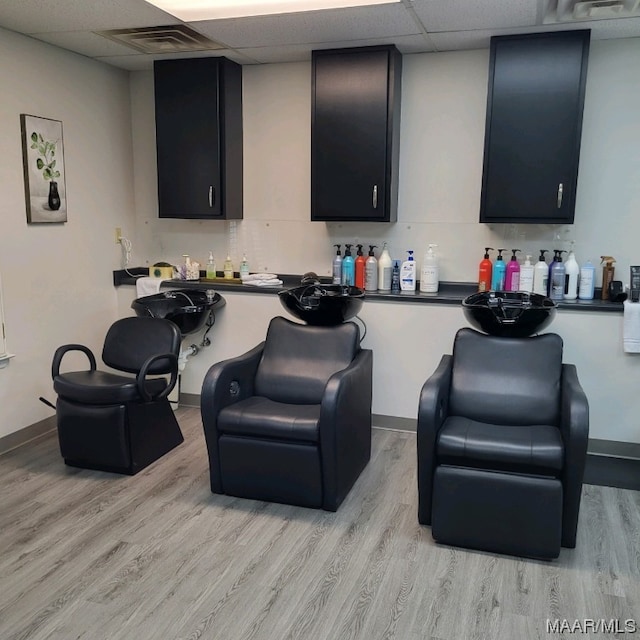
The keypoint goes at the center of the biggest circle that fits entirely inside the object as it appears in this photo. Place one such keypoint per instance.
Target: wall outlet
(118, 235)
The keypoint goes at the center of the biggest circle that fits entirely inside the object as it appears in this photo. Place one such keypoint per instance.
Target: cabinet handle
(375, 196)
(212, 196)
(560, 188)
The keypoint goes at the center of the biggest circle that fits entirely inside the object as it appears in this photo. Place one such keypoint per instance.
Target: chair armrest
(574, 425)
(433, 408)
(345, 427)
(142, 375)
(225, 383)
(60, 351)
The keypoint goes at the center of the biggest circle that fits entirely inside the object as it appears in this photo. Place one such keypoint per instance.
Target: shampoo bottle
(484, 271)
(211, 267)
(572, 273)
(526, 275)
(408, 274)
(587, 281)
(430, 276)
(607, 274)
(371, 271)
(244, 266)
(395, 277)
(360, 267)
(512, 280)
(336, 268)
(228, 268)
(499, 273)
(348, 267)
(557, 273)
(541, 275)
(385, 266)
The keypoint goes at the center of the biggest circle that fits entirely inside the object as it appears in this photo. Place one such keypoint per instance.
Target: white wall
(441, 148)
(57, 279)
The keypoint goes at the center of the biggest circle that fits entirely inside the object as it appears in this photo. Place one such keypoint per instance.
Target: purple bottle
(512, 280)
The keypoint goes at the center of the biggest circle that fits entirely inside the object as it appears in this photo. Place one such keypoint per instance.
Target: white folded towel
(273, 282)
(631, 327)
(148, 286)
(251, 277)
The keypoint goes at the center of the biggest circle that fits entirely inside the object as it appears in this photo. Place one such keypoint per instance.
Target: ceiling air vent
(577, 10)
(173, 38)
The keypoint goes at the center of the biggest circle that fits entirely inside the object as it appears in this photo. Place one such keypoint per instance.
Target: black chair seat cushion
(536, 449)
(102, 387)
(263, 418)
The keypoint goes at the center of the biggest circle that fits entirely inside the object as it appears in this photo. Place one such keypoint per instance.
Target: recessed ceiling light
(193, 10)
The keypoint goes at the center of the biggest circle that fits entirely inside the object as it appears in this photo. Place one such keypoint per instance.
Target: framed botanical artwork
(43, 159)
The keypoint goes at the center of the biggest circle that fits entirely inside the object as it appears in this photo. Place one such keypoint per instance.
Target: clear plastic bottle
(244, 266)
(211, 267)
(228, 268)
(429, 276)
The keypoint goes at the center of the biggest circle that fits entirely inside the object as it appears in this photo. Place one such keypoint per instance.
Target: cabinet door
(534, 124)
(355, 122)
(197, 100)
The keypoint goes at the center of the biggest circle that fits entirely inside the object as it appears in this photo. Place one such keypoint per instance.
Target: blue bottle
(348, 268)
(499, 272)
(337, 266)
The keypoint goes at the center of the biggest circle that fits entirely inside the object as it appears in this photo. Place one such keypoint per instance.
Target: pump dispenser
(348, 267)
(557, 273)
(244, 266)
(430, 274)
(499, 273)
(526, 275)
(337, 266)
(512, 280)
(228, 268)
(572, 270)
(408, 274)
(541, 275)
(484, 271)
(211, 267)
(360, 267)
(607, 274)
(371, 271)
(385, 265)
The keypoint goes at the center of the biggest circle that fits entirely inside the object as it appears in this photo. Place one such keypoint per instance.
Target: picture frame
(43, 164)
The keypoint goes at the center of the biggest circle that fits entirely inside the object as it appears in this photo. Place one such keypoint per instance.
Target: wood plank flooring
(90, 555)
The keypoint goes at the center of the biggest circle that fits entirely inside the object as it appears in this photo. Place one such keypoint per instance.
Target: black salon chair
(114, 422)
(502, 441)
(290, 420)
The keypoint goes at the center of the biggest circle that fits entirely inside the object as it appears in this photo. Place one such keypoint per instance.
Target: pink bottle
(512, 280)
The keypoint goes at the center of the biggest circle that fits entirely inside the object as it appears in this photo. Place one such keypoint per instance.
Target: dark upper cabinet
(199, 138)
(355, 133)
(534, 123)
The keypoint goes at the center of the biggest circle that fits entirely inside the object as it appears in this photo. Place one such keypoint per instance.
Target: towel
(262, 280)
(250, 277)
(631, 327)
(148, 286)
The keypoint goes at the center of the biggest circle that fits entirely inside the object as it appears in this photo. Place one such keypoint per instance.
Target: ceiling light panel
(195, 10)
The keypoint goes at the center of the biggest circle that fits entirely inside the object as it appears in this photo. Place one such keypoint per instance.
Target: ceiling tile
(460, 15)
(357, 23)
(142, 61)
(84, 42)
(43, 16)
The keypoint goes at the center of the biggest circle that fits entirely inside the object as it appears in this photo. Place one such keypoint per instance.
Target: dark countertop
(451, 293)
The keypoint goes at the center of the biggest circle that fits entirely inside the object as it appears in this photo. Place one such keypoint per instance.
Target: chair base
(284, 472)
(123, 438)
(506, 513)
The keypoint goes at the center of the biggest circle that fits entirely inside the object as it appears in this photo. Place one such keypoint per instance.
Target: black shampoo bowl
(189, 309)
(509, 314)
(322, 304)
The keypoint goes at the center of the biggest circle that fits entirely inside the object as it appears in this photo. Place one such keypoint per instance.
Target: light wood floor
(156, 556)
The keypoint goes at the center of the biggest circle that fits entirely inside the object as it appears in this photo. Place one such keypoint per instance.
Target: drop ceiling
(414, 26)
